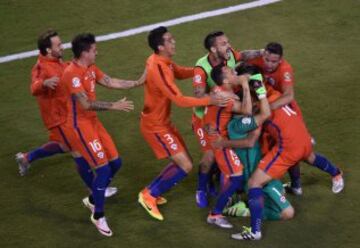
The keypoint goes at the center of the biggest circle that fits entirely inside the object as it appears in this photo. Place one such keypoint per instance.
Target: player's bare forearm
(282, 101)
(265, 112)
(100, 106)
(82, 98)
(115, 83)
(246, 106)
(251, 54)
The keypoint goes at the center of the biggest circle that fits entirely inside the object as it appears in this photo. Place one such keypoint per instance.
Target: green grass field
(43, 209)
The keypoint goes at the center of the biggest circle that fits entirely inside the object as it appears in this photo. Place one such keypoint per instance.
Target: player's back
(157, 107)
(217, 118)
(52, 102)
(288, 129)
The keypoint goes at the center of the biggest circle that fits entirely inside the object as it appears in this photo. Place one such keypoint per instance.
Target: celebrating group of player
(245, 117)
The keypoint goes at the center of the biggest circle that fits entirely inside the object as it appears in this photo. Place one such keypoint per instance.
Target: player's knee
(288, 213)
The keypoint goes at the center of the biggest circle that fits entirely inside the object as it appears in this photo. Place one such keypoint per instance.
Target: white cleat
(102, 226)
(338, 183)
(219, 220)
(246, 234)
(110, 191)
(88, 204)
(22, 162)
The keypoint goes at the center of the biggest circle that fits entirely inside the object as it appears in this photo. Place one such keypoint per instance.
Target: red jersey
(288, 130)
(161, 90)
(217, 118)
(51, 102)
(77, 78)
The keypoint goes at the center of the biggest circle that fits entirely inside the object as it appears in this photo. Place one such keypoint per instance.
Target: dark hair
(81, 43)
(252, 70)
(155, 38)
(210, 39)
(275, 48)
(44, 41)
(247, 69)
(217, 74)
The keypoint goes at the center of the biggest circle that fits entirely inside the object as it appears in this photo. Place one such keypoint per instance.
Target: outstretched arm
(115, 83)
(251, 54)
(121, 105)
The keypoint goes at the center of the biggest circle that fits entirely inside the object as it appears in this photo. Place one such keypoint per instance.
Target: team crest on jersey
(246, 120)
(287, 76)
(76, 82)
(93, 74)
(197, 79)
(271, 81)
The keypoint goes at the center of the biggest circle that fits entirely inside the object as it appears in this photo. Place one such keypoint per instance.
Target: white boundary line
(147, 28)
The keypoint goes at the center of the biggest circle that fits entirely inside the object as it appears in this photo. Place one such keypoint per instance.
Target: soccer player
(156, 127)
(292, 145)
(49, 94)
(215, 124)
(84, 131)
(244, 132)
(279, 74)
(220, 51)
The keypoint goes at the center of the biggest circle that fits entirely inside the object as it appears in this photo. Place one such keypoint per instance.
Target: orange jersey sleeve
(167, 86)
(286, 75)
(99, 74)
(200, 77)
(183, 72)
(37, 78)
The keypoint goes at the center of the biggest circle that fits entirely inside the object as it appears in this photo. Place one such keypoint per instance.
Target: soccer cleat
(246, 234)
(201, 199)
(22, 162)
(338, 183)
(102, 226)
(149, 204)
(161, 200)
(237, 210)
(110, 191)
(292, 190)
(88, 204)
(219, 220)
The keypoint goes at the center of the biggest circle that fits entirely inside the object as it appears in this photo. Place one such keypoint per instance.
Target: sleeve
(182, 72)
(200, 77)
(243, 124)
(237, 55)
(37, 79)
(99, 74)
(287, 76)
(163, 80)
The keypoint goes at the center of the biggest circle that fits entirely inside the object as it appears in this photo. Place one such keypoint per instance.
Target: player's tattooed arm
(84, 101)
(115, 83)
(251, 54)
(121, 105)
